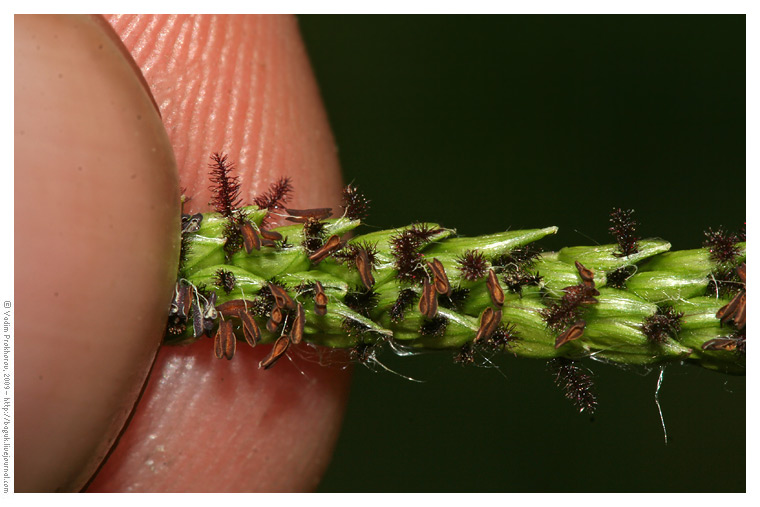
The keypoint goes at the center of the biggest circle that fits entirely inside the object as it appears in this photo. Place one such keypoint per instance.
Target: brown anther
(275, 318)
(270, 235)
(734, 310)
(364, 268)
(298, 324)
(320, 299)
(251, 330)
(224, 341)
(740, 316)
(429, 300)
(281, 298)
(720, 344)
(232, 307)
(489, 321)
(572, 333)
(440, 279)
(278, 350)
(586, 274)
(742, 272)
(331, 245)
(184, 299)
(229, 341)
(251, 239)
(302, 215)
(494, 289)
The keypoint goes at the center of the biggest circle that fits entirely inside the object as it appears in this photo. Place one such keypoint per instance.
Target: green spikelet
(383, 288)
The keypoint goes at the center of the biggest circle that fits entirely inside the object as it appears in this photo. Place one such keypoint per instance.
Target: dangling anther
(270, 235)
(275, 319)
(298, 324)
(331, 245)
(251, 239)
(742, 272)
(428, 305)
(302, 215)
(320, 299)
(364, 268)
(232, 307)
(727, 344)
(440, 279)
(586, 274)
(251, 330)
(281, 298)
(572, 333)
(735, 310)
(224, 341)
(494, 289)
(278, 350)
(489, 321)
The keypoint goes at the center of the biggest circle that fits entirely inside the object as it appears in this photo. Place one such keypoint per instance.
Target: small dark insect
(232, 307)
(489, 321)
(251, 239)
(440, 279)
(278, 350)
(572, 333)
(320, 299)
(494, 289)
(586, 274)
(428, 305)
(330, 246)
(270, 235)
(472, 265)
(364, 268)
(224, 341)
(298, 324)
(251, 331)
(281, 298)
(727, 344)
(302, 215)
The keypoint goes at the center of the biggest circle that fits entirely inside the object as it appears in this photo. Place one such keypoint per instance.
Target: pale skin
(96, 221)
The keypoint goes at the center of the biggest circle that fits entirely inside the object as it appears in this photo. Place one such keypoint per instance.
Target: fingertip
(96, 210)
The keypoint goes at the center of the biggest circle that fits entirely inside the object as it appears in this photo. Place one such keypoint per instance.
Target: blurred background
(488, 123)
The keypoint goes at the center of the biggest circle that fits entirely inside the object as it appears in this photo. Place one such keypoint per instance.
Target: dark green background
(484, 123)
